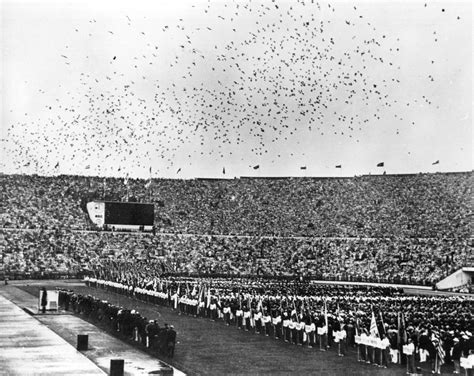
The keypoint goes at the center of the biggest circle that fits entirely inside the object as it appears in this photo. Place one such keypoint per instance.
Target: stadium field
(205, 347)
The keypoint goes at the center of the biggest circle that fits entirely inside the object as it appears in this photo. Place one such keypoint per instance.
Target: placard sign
(52, 298)
(369, 341)
(466, 363)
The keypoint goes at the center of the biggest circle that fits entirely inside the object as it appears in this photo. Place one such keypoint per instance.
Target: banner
(369, 341)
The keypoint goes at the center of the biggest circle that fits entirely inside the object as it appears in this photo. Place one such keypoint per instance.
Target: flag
(374, 331)
(438, 344)
(383, 325)
(303, 168)
(402, 333)
(260, 305)
(88, 167)
(338, 166)
(435, 162)
(381, 164)
(57, 165)
(176, 298)
(200, 297)
(179, 170)
(148, 184)
(223, 170)
(125, 180)
(326, 315)
(357, 326)
(208, 300)
(256, 167)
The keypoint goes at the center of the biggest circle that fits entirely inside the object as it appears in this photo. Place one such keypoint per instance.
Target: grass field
(206, 347)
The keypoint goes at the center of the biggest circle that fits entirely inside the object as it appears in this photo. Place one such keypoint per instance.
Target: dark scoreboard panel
(129, 213)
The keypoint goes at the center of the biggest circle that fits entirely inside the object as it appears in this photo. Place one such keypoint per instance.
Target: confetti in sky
(202, 87)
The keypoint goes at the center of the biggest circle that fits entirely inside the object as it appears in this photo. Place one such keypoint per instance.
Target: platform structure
(32, 343)
(28, 347)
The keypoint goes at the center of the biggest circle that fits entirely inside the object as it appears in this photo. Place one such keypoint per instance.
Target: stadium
(248, 188)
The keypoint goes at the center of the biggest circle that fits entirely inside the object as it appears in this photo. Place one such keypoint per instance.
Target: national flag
(176, 298)
(383, 325)
(256, 167)
(57, 165)
(148, 184)
(435, 162)
(179, 170)
(223, 170)
(303, 168)
(381, 164)
(402, 334)
(338, 166)
(88, 167)
(200, 297)
(125, 180)
(208, 300)
(438, 344)
(374, 330)
(357, 326)
(326, 315)
(260, 305)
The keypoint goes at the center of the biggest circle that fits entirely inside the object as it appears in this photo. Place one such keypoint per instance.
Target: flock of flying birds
(243, 84)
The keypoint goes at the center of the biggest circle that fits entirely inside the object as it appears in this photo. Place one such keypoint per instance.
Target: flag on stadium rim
(338, 166)
(256, 167)
(381, 164)
(435, 162)
(303, 167)
(148, 183)
(374, 330)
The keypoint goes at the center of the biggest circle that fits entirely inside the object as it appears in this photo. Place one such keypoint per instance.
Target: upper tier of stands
(421, 206)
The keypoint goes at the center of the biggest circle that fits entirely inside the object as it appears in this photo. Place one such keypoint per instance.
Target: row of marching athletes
(284, 324)
(311, 329)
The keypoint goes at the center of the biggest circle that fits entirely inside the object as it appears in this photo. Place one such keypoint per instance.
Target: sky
(235, 88)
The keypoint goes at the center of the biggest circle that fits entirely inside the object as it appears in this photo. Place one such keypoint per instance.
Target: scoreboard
(122, 215)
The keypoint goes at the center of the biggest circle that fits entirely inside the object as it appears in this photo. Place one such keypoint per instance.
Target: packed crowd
(439, 328)
(129, 323)
(409, 229)
(424, 205)
(412, 261)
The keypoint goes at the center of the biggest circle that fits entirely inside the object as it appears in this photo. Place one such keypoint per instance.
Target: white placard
(52, 297)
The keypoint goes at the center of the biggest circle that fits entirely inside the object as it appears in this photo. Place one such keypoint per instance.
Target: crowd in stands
(424, 205)
(402, 229)
(410, 261)
(297, 311)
